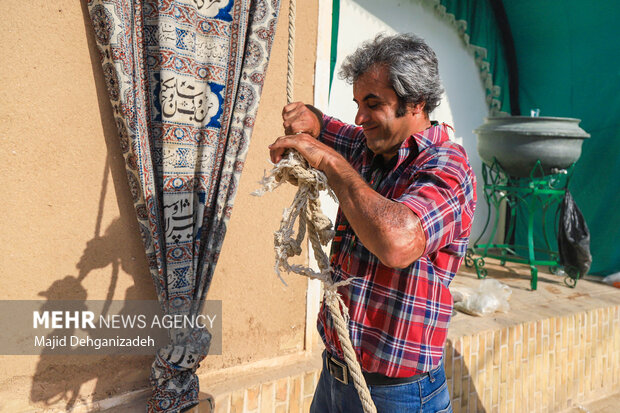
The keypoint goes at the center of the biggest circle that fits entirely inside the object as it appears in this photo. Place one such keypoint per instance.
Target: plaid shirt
(399, 317)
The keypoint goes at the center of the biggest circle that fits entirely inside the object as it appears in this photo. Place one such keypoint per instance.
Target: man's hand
(315, 152)
(301, 118)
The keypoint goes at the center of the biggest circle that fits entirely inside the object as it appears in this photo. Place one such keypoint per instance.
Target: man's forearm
(388, 229)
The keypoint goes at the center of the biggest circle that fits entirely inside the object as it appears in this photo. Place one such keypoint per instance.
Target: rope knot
(306, 207)
(295, 169)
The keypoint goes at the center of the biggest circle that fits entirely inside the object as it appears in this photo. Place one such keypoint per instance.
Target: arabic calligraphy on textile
(179, 220)
(210, 8)
(184, 101)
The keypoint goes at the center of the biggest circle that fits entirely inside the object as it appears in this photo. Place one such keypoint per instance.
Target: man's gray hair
(412, 65)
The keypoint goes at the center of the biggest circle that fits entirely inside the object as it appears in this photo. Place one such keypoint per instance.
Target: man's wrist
(340, 174)
(319, 117)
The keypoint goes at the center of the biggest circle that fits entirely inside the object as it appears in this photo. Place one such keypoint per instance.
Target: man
(407, 198)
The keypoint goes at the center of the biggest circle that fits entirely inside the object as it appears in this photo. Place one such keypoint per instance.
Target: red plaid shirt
(399, 317)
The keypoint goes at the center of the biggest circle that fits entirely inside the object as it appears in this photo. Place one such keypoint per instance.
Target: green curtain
(568, 56)
(476, 23)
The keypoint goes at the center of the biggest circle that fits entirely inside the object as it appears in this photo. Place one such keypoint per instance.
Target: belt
(340, 371)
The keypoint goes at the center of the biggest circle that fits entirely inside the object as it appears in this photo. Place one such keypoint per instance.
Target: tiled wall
(289, 394)
(541, 366)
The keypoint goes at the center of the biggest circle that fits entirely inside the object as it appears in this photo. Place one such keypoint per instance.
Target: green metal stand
(538, 192)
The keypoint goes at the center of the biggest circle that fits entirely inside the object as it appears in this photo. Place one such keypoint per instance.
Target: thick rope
(290, 69)
(337, 308)
(306, 206)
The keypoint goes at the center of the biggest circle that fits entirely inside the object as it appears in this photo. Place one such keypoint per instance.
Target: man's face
(377, 104)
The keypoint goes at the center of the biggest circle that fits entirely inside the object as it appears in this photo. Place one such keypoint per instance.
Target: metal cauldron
(518, 142)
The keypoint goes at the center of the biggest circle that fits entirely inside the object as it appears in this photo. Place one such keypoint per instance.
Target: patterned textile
(184, 78)
(399, 317)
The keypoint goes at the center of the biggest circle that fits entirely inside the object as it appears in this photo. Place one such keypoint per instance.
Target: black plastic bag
(573, 239)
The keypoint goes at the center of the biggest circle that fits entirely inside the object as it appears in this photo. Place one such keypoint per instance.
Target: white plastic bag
(613, 279)
(491, 296)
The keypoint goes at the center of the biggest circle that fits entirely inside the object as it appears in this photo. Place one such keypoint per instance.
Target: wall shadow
(59, 379)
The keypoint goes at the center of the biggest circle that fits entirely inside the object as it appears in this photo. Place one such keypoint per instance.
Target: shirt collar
(418, 142)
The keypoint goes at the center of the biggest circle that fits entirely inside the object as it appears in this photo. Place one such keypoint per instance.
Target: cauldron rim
(532, 118)
(501, 125)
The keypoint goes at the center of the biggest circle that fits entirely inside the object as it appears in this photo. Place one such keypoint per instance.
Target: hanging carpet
(184, 78)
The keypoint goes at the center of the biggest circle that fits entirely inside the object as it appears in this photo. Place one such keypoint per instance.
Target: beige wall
(68, 224)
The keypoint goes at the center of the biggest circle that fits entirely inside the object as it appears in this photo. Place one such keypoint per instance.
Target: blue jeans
(429, 394)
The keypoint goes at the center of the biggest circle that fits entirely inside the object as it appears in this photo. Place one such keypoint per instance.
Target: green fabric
(476, 23)
(568, 55)
(334, 42)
